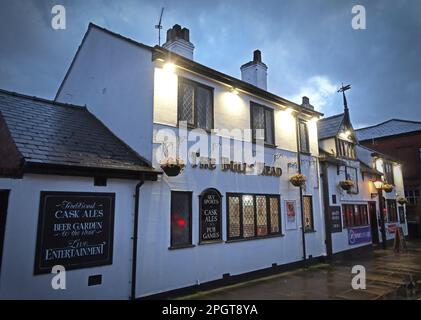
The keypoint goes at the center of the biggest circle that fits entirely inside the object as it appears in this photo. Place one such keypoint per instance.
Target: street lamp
(378, 184)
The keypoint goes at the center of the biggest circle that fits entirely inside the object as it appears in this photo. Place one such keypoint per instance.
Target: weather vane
(343, 89)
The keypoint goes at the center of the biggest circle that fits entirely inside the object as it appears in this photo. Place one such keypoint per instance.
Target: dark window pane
(204, 108)
(308, 213)
(186, 103)
(180, 218)
(234, 216)
(248, 216)
(262, 221)
(304, 147)
(269, 137)
(258, 122)
(274, 214)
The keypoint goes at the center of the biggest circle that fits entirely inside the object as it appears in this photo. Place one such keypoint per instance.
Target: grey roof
(388, 128)
(46, 132)
(329, 127)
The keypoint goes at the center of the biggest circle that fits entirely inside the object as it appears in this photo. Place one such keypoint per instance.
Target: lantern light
(378, 184)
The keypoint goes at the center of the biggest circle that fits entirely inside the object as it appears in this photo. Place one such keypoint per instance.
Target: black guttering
(135, 237)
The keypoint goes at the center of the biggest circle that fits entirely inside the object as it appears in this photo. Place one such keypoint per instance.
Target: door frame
(375, 239)
(4, 202)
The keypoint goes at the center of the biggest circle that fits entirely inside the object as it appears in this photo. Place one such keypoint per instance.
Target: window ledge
(310, 231)
(277, 235)
(209, 242)
(184, 246)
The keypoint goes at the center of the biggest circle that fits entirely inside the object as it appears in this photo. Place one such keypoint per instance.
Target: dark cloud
(309, 46)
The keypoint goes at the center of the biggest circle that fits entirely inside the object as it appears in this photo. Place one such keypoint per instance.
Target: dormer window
(345, 149)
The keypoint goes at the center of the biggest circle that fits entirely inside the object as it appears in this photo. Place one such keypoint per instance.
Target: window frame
(345, 149)
(312, 215)
(253, 133)
(346, 222)
(4, 195)
(356, 187)
(190, 243)
(195, 84)
(389, 211)
(268, 217)
(302, 122)
(388, 174)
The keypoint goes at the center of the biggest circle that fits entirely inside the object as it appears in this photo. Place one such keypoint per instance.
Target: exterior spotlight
(169, 67)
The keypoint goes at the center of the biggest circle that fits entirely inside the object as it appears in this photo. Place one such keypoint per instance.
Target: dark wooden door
(373, 222)
(4, 198)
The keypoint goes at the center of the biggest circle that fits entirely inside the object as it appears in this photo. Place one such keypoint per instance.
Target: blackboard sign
(210, 202)
(75, 230)
(336, 219)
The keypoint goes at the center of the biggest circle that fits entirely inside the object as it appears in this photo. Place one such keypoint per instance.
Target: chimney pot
(255, 72)
(178, 41)
(306, 103)
(257, 56)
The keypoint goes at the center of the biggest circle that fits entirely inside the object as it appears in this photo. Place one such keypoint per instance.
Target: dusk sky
(309, 46)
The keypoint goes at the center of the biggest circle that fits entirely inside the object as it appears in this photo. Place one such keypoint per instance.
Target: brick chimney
(255, 72)
(306, 103)
(178, 41)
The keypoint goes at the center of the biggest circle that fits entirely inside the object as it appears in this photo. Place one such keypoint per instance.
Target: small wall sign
(210, 202)
(335, 219)
(75, 230)
(291, 215)
(359, 235)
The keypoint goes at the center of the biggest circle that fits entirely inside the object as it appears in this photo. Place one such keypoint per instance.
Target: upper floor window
(388, 172)
(304, 141)
(262, 118)
(352, 174)
(195, 104)
(345, 149)
(392, 210)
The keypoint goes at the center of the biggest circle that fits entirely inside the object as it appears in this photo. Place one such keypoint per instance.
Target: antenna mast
(159, 27)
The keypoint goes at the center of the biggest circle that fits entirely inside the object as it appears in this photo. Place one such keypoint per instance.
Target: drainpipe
(135, 236)
(383, 226)
(303, 235)
(327, 217)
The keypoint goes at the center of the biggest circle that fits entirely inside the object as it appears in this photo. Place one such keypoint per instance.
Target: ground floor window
(355, 215)
(181, 218)
(308, 213)
(252, 215)
(392, 210)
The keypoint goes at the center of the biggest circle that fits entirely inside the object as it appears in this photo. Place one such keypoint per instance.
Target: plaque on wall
(335, 219)
(210, 208)
(75, 230)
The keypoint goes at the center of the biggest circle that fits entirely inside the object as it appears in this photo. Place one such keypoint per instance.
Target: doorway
(4, 199)
(373, 222)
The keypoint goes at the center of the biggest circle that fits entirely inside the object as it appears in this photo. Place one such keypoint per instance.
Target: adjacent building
(352, 205)
(401, 139)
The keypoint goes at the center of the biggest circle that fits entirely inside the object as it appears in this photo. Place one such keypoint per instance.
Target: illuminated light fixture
(378, 184)
(234, 91)
(348, 132)
(169, 67)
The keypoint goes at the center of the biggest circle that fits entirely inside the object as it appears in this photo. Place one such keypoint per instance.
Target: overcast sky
(309, 46)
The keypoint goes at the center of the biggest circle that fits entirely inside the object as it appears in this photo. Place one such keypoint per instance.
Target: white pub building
(214, 178)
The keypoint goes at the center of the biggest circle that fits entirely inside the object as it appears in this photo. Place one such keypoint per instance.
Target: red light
(181, 222)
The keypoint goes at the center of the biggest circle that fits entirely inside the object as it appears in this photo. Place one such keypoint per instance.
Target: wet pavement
(389, 275)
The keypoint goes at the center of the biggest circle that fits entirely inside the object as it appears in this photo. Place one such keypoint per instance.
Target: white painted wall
(231, 111)
(114, 78)
(161, 269)
(17, 280)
